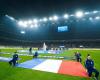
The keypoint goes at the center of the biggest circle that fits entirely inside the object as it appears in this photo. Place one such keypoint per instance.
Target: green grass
(14, 73)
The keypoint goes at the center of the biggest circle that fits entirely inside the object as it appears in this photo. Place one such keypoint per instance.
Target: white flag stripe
(49, 66)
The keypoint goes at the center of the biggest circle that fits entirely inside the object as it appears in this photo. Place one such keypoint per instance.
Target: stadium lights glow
(32, 26)
(26, 22)
(11, 18)
(23, 24)
(79, 14)
(22, 32)
(29, 22)
(35, 25)
(95, 11)
(90, 18)
(40, 20)
(45, 19)
(97, 18)
(66, 16)
(20, 23)
(55, 17)
(50, 18)
(35, 21)
(6, 15)
(71, 15)
(86, 13)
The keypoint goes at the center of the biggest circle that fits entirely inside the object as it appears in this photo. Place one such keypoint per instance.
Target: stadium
(49, 39)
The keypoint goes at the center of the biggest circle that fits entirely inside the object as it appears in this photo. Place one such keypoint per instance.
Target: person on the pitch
(30, 50)
(89, 64)
(14, 59)
(35, 55)
(78, 57)
(88, 55)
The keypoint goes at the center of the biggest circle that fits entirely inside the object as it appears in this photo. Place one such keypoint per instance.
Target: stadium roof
(41, 8)
(36, 9)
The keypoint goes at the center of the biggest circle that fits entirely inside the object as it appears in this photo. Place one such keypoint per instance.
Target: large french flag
(56, 66)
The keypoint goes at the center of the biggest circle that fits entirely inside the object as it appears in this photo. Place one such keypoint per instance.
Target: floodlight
(71, 15)
(22, 23)
(95, 12)
(97, 18)
(90, 18)
(50, 18)
(55, 18)
(11, 18)
(29, 22)
(32, 26)
(40, 20)
(86, 13)
(66, 16)
(35, 25)
(26, 22)
(22, 32)
(25, 25)
(35, 20)
(79, 14)
(45, 19)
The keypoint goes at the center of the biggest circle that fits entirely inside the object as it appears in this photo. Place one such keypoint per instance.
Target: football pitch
(8, 72)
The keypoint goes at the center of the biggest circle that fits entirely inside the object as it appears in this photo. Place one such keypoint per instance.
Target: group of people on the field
(89, 64)
(15, 58)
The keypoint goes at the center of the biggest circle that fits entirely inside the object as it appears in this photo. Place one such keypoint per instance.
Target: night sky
(25, 9)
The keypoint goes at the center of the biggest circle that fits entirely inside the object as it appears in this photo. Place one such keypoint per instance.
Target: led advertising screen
(63, 29)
